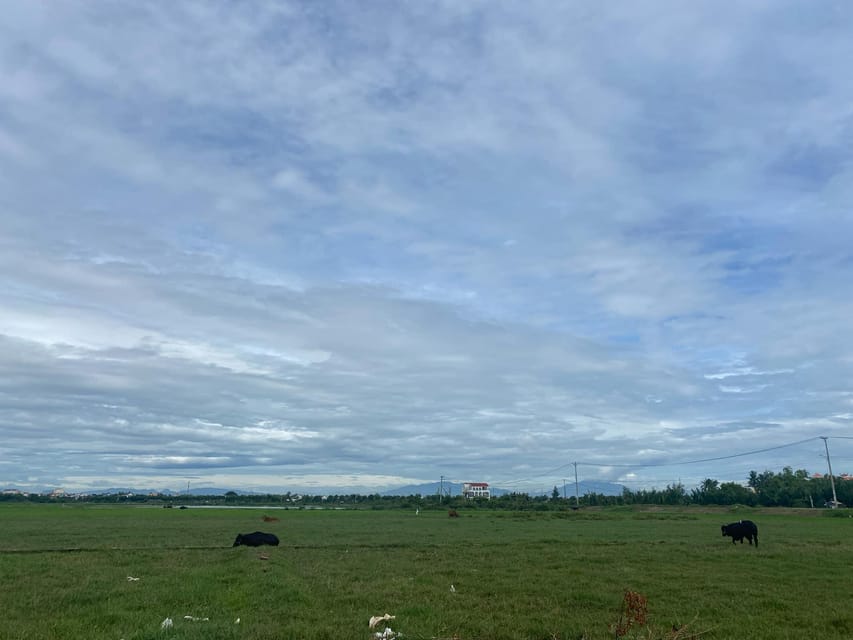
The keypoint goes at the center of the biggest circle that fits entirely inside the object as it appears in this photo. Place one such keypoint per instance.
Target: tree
(708, 492)
(555, 494)
(733, 493)
(675, 494)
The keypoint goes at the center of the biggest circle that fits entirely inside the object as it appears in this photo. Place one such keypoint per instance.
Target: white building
(473, 490)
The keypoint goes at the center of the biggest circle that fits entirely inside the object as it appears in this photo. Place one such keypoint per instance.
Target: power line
(729, 457)
(538, 475)
(662, 464)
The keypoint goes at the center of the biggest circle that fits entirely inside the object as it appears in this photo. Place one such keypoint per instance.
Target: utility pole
(577, 497)
(831, 480)
(564, 489)
(441, 489)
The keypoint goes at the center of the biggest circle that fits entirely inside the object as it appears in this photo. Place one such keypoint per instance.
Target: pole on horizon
(577, 497)
(564, 489)
(441, 489)
(831, 480)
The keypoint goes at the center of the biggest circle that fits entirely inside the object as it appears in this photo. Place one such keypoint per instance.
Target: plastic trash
(374, 620)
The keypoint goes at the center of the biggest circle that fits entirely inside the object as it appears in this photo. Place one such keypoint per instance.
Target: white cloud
(522, 235)
(745, 371)
(750, 389)
(295, 182)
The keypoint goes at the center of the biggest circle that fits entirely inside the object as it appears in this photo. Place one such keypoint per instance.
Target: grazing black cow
(740, 530)
(255, 539)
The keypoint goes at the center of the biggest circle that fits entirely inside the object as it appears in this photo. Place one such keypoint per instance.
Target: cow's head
(725, 529)
(238, 541)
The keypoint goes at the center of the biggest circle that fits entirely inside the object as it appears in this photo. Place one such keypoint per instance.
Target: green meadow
(65, 569)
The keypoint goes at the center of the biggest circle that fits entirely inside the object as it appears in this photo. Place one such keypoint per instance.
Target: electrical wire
(640, 465)
(729, 457)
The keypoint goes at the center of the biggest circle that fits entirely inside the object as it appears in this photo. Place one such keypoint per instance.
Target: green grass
(521, 575)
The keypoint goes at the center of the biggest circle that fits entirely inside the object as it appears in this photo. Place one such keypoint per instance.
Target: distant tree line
(788, 488)
(766, 489)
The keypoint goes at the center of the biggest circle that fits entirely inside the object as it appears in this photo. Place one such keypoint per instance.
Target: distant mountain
(455, 489)
(213, 491)
(125, 491)
(428, 489)
(592, 486)
(194, 491)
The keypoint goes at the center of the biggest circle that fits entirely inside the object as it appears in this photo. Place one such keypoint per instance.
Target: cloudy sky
(354, 245)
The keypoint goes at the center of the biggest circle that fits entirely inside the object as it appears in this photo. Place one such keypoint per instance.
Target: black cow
(255, 539)
(740, 530)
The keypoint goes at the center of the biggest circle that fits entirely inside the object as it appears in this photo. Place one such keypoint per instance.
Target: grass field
(522, 575)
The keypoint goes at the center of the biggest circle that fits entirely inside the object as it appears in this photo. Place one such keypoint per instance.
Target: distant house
(473, 490)
(843, 476)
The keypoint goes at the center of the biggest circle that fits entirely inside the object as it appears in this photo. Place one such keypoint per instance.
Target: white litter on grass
(452, 589)
(387, 634)
(132, 579)
(237, 621)
(374, 620)
(166, 624)
(194, 619)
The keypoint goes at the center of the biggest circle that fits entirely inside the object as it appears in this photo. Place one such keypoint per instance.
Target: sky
(347, 246)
